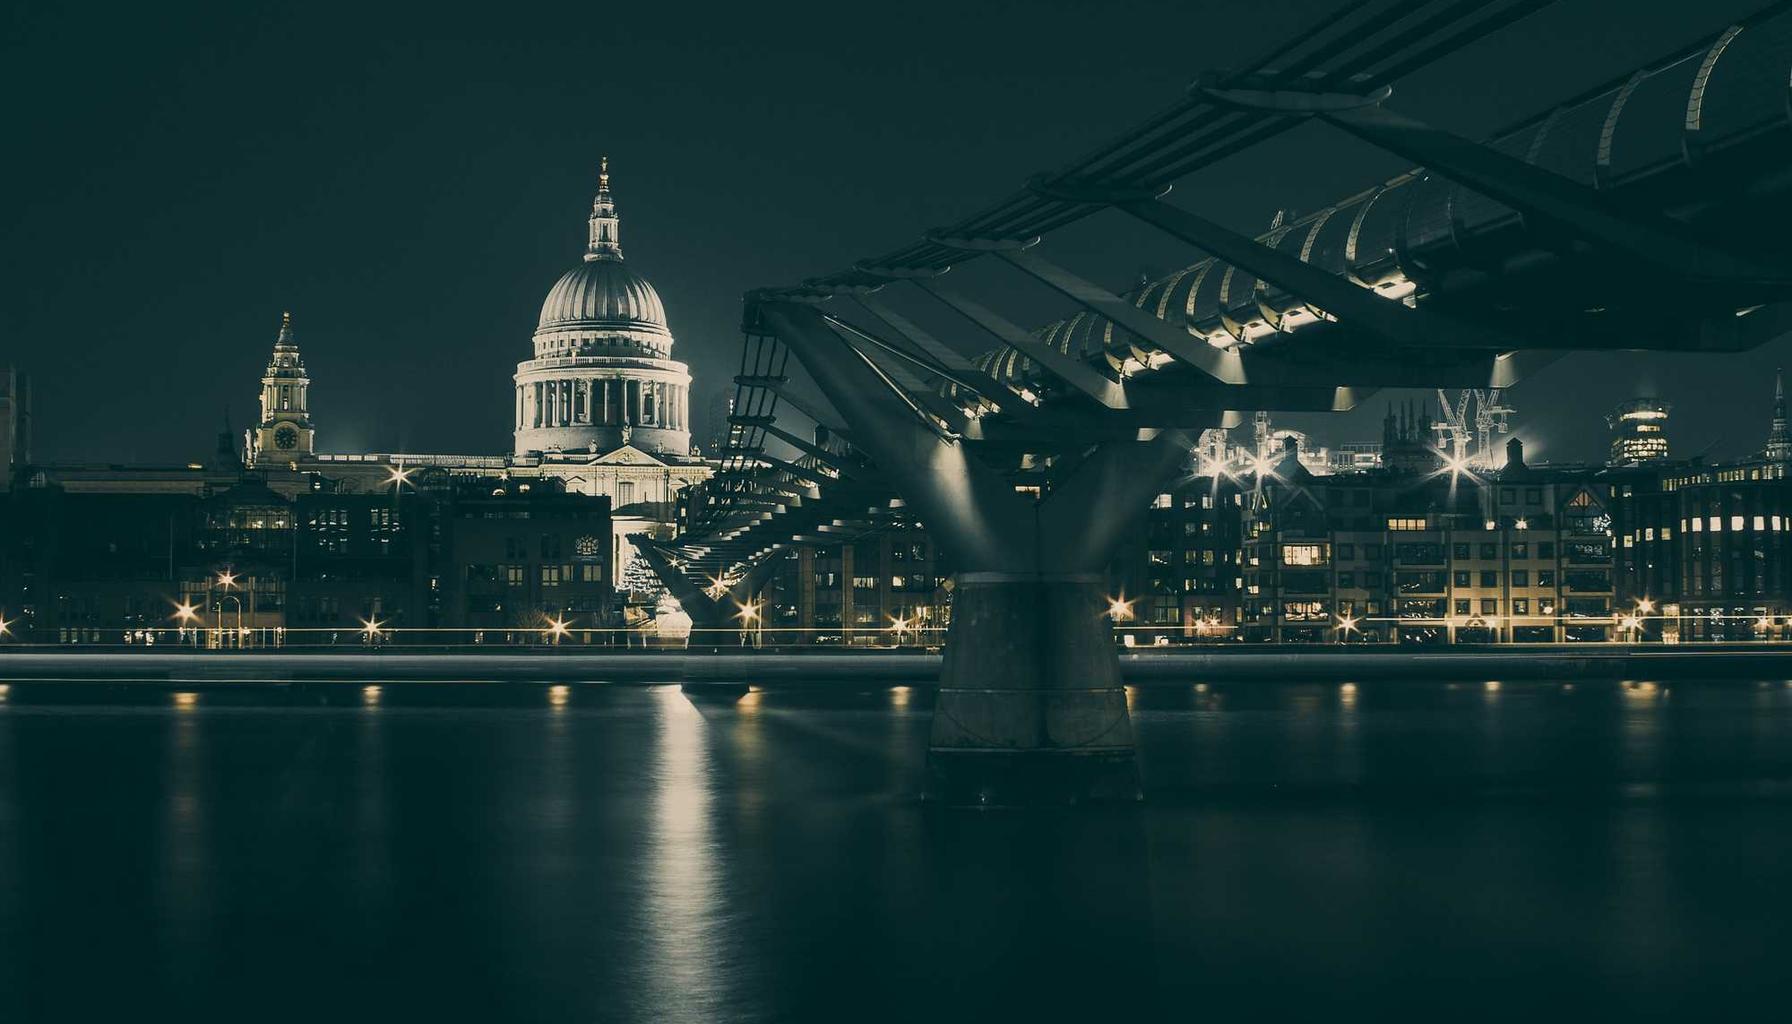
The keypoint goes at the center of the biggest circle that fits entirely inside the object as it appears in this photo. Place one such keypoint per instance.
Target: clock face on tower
(286, 438)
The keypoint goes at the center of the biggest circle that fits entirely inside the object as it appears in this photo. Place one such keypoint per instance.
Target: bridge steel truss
(1634, 216)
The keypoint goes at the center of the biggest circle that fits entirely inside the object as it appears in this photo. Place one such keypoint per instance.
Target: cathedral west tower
(284, 432)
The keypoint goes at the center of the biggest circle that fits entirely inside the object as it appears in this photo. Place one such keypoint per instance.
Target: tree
(639, 579)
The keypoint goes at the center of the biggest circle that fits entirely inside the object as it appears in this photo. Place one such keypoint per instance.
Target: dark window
(1462, 577)
(1490, 606)
(1460, 551)
(1462, 606)
(1346, 551)
(1521, 577)
(1489, 552)
(1490, 579)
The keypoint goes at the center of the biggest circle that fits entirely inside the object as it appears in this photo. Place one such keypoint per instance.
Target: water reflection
(683, 907)
(185, 875)
(542, 852)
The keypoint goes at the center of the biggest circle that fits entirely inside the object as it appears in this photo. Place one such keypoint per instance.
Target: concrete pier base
(1031, 710)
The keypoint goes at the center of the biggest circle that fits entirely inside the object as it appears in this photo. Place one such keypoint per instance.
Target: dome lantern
(606, 241)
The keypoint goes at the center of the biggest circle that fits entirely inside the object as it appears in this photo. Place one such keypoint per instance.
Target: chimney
(1515, 455)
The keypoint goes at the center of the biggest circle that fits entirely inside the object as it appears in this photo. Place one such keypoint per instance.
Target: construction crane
(1466, 439)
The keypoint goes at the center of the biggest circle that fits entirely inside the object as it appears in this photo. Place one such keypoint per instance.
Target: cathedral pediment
(627, 455)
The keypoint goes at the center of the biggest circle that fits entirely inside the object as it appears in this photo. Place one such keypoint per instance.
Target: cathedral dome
(603, 293)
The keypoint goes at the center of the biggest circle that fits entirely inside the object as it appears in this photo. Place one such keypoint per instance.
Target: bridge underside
(1028, 462)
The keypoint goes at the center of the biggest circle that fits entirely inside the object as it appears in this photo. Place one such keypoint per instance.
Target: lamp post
(184, 615)
(749, 617)
(227, 580)
(1120, 610)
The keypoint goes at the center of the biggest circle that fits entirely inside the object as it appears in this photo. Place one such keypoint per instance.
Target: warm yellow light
(1119, 608)
(1631, 622)
(5, 627)
(557, 627)
(749, 611)
(186, 700)
(1346, 624)
(185, 612)
(1521, 525)
(370, 694)
(558, 695)
(1763, 623)
(898, 625)
(1644, 606)
(226, 579)
(397, 476)
(371, 627)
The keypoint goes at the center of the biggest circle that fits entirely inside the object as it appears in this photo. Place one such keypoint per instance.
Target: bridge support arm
(1030, 707)
(1536, 192)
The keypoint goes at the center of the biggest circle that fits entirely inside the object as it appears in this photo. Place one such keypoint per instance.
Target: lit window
(1716, 524)
(1698, 525)
(1760, 522)
(1303, 554)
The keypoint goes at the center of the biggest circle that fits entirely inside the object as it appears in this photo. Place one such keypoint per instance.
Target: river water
(530, 852)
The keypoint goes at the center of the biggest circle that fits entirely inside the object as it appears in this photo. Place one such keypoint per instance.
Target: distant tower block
(1639, 431)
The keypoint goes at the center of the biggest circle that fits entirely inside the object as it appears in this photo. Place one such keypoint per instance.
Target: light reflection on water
(682, 914)
(555, 852)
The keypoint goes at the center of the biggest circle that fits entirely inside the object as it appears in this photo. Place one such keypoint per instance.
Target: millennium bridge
(1635, 216)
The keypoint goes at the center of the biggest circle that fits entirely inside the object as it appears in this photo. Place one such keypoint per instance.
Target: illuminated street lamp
(1346, 626)
(397, 476)
(1119, 609)
(1644, 606)
(899, 626)
(556, 629)
(5, 626)
(749, 620)
(227, 580)
(371, 629)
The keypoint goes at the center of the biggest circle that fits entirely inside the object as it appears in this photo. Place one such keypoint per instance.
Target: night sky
(411, 183)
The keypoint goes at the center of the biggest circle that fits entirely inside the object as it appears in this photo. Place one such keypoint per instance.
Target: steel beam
(1353, 304)
(1222, 365)
(1644, 236)
(1068, 368)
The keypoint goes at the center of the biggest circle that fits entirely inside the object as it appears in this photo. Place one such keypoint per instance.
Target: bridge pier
(1031, 709)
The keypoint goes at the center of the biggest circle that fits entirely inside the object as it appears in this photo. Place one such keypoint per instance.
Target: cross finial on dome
(603, 173)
